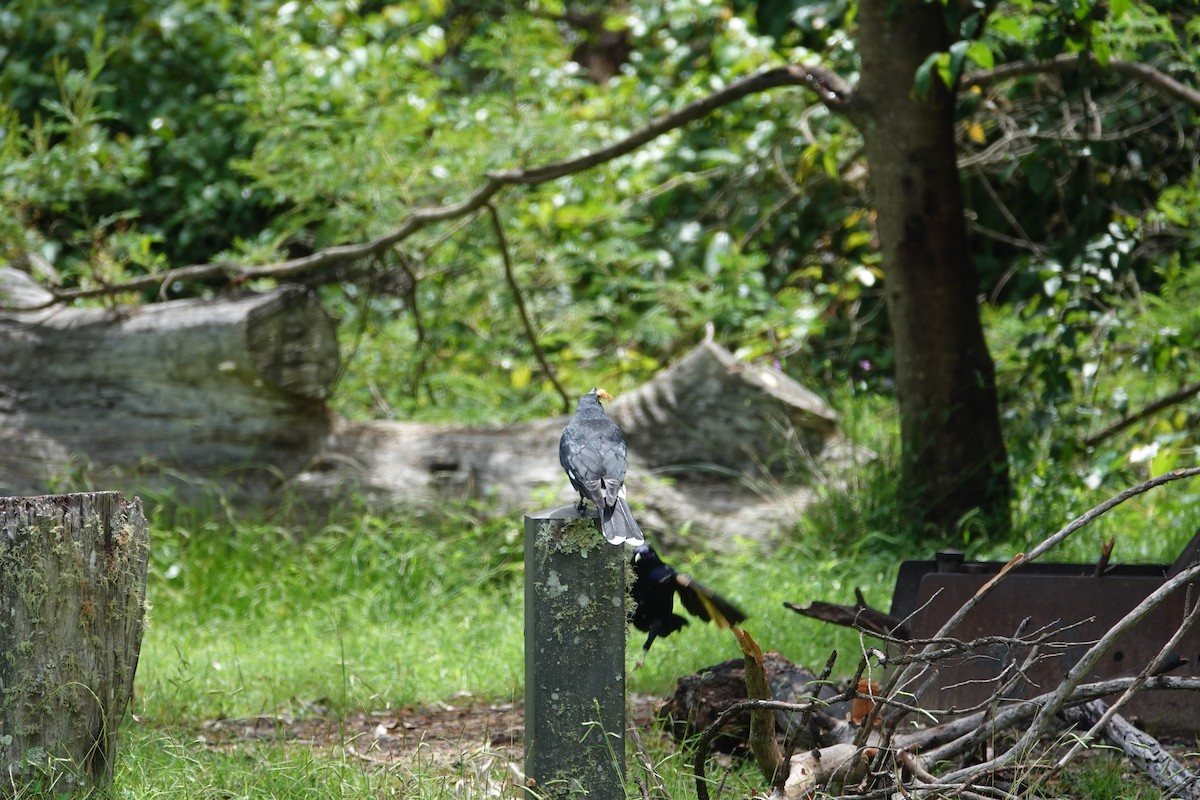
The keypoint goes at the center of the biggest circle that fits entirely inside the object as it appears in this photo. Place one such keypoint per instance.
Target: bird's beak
(603, 395)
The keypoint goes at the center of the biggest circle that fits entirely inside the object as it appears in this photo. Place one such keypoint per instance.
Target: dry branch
(762, 721)
(1143, 73)
(859, 616)
(828, 86)
(1142, 750)
(977, 750)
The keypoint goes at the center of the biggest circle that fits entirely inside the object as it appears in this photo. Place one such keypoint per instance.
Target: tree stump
(72, 607)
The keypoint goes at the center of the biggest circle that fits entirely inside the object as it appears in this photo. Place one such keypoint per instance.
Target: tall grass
(371, 612)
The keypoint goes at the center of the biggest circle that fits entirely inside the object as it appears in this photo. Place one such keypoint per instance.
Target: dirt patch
(442, 733)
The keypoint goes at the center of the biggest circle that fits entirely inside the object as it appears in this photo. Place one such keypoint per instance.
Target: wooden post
(72, 606)
(574, 657)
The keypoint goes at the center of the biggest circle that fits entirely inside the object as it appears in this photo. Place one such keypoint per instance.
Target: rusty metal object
(1070, 597)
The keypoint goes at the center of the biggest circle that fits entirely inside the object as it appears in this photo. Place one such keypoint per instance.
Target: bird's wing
(706, 604)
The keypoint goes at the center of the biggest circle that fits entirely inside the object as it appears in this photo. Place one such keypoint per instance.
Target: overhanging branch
(832, 91)
(1144, 73)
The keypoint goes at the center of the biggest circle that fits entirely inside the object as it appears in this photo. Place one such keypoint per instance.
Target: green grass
(366, 611)
(376, 613)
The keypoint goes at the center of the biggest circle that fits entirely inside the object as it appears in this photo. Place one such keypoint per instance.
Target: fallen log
(229, 395)
(1143, 750)
(229, 392)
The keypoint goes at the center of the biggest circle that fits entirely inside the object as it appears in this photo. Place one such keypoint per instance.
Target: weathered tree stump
(72, 607)
(702, 697)
(574, 657)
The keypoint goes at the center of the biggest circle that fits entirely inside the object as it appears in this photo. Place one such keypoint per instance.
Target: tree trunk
(72, 606)
(954, 460)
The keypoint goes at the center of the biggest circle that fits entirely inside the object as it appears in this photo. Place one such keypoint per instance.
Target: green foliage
(1104, 777)
(122, 119)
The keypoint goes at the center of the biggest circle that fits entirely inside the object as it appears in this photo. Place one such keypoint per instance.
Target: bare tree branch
(1186, 393)
(1140, 680)
(515, 288)
(828, 85)
(1144, 73)
(1060, 696)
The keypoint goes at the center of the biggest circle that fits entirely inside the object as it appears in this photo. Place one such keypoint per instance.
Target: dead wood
(859, 616)
(72, 612)
(700, 699)
(968, 753)
(229, 392)
(838, 763)
(763, 744)
(228, 395)
(1143, 750)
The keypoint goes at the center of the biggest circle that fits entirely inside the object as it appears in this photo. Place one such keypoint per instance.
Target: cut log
(228, 394)
(229, 391)
(711, 412)
(72, 607)
(410, 463)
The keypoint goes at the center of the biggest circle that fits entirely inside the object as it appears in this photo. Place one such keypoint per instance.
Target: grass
(365, 611)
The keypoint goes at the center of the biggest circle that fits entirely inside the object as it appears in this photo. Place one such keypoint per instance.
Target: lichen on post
(574, 657)
(72, 610)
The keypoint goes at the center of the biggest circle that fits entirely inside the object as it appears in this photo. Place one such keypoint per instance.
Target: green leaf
(958, 51)
(921, 81)
(981, 54)
(1008, 27)
(1119, 8)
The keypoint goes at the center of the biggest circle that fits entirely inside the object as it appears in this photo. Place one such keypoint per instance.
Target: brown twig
(705, 741)
(515, 288)
(1186, 393)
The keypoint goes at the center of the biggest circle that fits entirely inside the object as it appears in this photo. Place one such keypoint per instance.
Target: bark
(763, 744)
(711, 413)
(229, 391)
(72, 608)
(699, 699)
(954, 460)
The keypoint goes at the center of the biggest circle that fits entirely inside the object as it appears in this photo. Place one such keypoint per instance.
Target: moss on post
(72, 609)
(574, 657)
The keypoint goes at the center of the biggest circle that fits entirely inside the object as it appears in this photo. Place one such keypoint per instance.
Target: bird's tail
(620, 526)
(707, 604)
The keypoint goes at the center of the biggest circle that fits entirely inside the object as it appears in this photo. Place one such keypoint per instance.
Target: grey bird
(593, 453)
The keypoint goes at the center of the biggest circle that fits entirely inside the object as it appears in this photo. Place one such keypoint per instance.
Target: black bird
(654, 588)
(592, 451)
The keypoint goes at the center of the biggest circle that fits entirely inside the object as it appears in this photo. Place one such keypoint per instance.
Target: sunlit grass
(370, 611)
